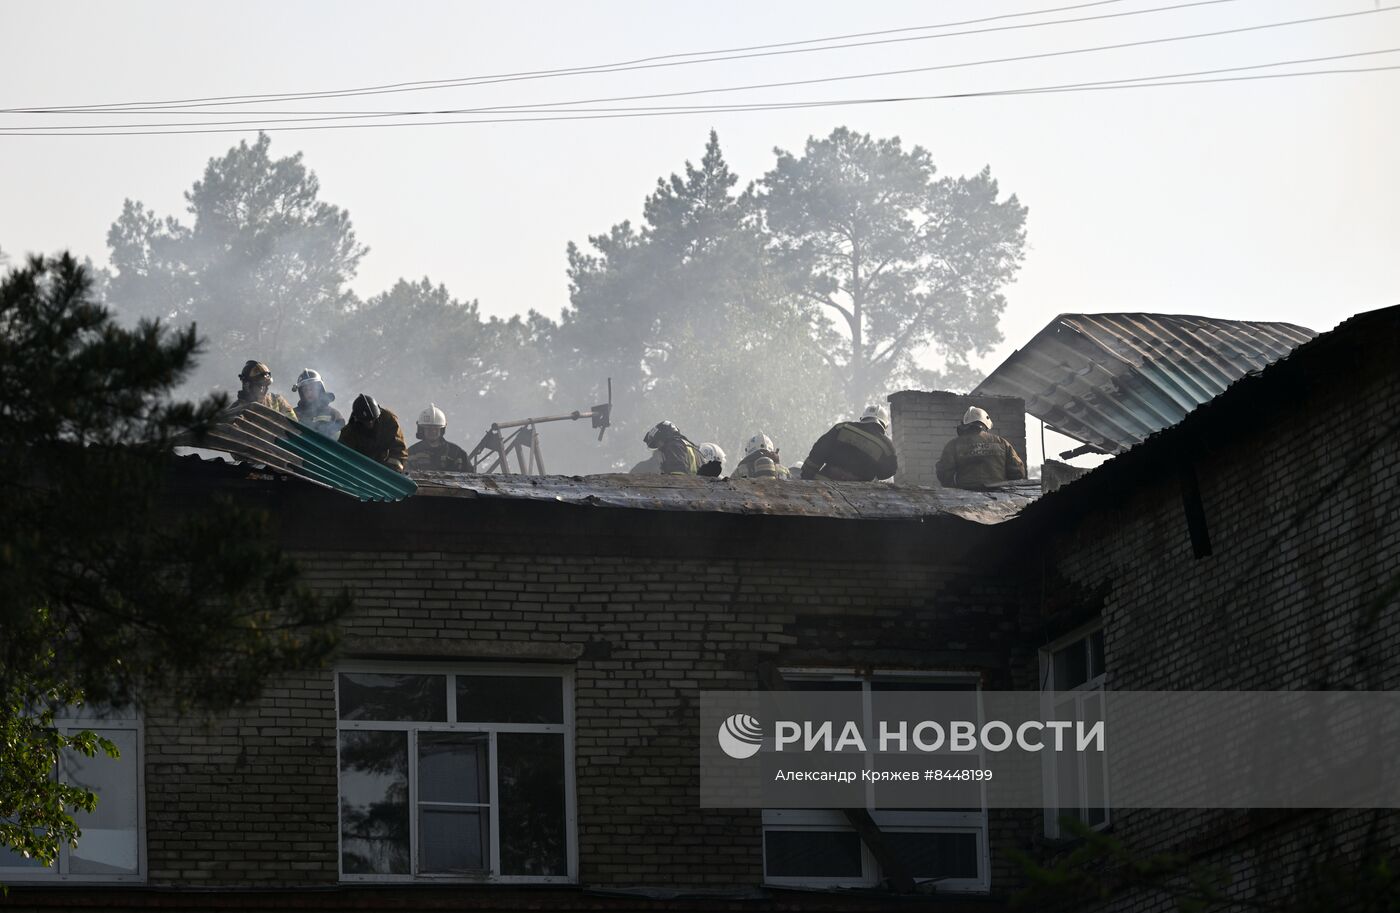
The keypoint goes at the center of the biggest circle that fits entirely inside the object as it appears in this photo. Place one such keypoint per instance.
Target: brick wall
(922, 423)
(1304, 527)
(251, 800)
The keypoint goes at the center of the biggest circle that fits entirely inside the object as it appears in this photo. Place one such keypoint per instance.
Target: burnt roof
(1112, 380)
(1252, 402)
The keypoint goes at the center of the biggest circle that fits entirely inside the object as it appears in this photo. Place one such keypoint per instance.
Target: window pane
(1067, 780)
(1094, 764)
(9, 859)
(452, 840)
(530, 768)
(1096, 654)
(110, 844)
(452, 767)
(811, 854)
(935, 855)
(374, 803)
(385, 696)
(1071, 666)
(510, 699)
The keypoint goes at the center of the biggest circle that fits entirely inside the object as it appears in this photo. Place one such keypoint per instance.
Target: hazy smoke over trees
(729, 309)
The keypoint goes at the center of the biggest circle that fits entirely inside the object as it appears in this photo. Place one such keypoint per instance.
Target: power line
(700, 108)
(1145, 82)
(667, 60)
(550, 106)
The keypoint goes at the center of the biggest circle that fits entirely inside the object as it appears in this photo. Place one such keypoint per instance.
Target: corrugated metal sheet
(844, 500)
(1113, 379)
(257, 434)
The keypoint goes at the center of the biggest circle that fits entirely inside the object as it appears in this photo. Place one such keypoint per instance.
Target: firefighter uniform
(977, 458)
(852, 452)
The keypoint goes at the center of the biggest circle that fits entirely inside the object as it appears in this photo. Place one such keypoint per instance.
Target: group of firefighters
(857, 451)
(372, 430)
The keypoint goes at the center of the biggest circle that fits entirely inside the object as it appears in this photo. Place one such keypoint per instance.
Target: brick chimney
(921, 423)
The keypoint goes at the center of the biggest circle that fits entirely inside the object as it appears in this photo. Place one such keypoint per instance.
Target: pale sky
(1268, 200)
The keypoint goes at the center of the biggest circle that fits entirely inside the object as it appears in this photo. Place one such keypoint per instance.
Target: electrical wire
(1145, 82)
(715, 107)
(551, 106)
(624, 66)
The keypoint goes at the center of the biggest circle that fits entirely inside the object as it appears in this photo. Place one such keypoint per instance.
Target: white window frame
(58, 872)
(564, 673)
(888, 821)
(1051, 702)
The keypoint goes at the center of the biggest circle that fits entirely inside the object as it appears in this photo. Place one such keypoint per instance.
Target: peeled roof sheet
(843, 500)
(1112, 380)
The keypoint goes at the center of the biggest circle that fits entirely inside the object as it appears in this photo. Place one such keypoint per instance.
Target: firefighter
(257, 388)
(314, 405)
(977, 458)
(854, 451)
(711, 461)
(761, 460)
(675, 453)
(374, 432)
(433, 450)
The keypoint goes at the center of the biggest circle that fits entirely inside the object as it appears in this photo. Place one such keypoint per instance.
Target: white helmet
(307, 376)
(760, 441)
(433, 416)
(876, 413)
(709, 453)
(977, 414)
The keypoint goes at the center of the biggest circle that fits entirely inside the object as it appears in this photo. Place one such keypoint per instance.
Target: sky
(1267, 199)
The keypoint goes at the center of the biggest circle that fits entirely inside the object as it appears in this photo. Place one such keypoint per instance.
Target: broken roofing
(843, 500)
(1112, 380)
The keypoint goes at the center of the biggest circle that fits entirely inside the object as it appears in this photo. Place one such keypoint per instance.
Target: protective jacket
(382, 442)
(851, 452)
(274, 401)
(444, 456)
(761, 464)
(977, 458)
(322, 416)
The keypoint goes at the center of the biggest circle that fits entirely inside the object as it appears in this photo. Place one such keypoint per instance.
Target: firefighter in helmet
(375, 432)
(314, 405)
(434, 451)
(977, 458)
(256, 380)
(854, 451)
(761, 460)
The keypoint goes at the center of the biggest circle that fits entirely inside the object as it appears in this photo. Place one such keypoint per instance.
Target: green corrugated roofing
(262, 435)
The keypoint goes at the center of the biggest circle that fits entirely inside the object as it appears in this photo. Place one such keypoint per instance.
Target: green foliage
(905, 260)
(262, 269)
(108, 596)
(416, 343)
(694, 324)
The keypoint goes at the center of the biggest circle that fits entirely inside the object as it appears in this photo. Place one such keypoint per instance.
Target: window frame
(564, 673)
(57, 874)
(889, 820)
(1095, 685)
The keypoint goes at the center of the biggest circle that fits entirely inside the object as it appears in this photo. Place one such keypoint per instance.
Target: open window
(454, 772)
(819, 848)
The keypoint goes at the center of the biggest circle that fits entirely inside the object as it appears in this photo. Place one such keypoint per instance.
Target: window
(112, 847)
(820, 848)
(1072, 682)
(456, 773)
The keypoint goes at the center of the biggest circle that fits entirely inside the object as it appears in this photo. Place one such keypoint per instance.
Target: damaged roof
(841, 500)
(1112, 380)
